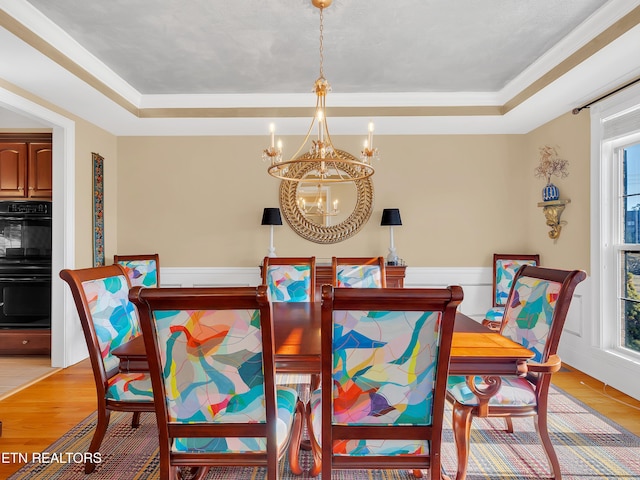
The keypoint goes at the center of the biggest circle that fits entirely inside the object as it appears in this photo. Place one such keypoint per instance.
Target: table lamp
(271, 216)
(391, 218)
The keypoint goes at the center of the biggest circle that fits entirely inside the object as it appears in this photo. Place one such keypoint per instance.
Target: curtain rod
(577, 110)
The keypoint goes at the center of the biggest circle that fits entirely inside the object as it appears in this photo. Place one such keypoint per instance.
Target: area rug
(589, 447)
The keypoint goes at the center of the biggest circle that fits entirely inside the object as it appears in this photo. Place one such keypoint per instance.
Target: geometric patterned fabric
(359, 276)
(384, 370)
(212, 368)
(528, 318)
(115, 318)
(141, 272)
(505, 273)
(289, 283)
(495, 314)
(130, 387)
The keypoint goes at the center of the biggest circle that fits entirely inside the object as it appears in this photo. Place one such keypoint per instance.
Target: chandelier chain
(321, 43)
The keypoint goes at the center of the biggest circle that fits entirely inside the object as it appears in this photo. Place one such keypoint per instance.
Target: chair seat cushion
(514, 392)
(301, 383)
(495, 314)
(363, 447)
(130, 387)
(286, 398)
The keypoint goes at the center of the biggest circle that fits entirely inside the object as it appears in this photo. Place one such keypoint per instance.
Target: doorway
(67, 347)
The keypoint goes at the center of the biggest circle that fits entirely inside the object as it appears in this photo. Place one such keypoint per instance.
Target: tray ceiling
(416, 66)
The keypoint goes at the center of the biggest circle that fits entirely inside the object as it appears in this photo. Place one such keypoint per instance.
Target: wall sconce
(271, 216)
(552, 211)
(391, 218)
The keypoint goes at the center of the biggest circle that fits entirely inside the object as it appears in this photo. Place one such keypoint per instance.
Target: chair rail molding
(475, 281)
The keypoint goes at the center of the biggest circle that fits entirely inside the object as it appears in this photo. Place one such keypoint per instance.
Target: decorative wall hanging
(551, 165)
(98, 210)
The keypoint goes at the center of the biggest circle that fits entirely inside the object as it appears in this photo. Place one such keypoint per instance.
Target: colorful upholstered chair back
(115, 318)
(289, 279)
(505, 269)
(529, 316)
(108, 321)
(388, 372)
(359, 272)
(143, 270)
(212, 368)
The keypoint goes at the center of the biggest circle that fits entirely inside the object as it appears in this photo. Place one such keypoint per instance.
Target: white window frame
(607, 242)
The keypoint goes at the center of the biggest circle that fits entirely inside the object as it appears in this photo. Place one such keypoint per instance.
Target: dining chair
(212, 369)
(505, 267)
(534, 316)
(385, 360)
(143, 270)
(358, 272)
(108, 320)
(290, 279)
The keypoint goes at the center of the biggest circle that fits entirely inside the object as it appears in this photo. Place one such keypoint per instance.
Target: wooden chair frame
(445, 300)
(105, 406)
(336, 261)
(216, 298)
(539, 374)
(142, 257)
(311, 261)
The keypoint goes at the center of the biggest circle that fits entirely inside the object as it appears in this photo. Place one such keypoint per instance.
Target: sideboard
(395, 276)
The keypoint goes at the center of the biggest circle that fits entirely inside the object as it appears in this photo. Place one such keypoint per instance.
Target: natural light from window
(630, 291)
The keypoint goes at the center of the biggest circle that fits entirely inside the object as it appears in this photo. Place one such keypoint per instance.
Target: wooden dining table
(476, 350)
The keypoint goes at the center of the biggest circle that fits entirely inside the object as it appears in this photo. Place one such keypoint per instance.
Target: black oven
(25, 264)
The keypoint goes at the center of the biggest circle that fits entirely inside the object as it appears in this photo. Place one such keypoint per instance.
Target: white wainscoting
(476, 282)
(209, 276)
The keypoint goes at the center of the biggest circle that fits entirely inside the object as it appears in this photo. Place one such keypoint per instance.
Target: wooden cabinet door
(40, 178)
(13, 170)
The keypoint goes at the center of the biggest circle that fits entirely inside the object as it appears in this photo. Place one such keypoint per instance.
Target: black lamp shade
(390, 217)
(271, 216)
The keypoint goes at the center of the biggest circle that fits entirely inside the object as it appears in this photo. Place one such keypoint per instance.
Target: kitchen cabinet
(39, 171)
(13, 170)
(25, 166)
(25, 341)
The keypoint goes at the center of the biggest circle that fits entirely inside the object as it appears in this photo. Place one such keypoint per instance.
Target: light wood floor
(21, 371)
(38, 415)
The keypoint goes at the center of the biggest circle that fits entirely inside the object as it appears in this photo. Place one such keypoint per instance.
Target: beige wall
(570, 134)
(197, 201)
(91, 139)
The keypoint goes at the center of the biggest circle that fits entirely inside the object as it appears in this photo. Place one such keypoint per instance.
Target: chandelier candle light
(317, 207)
(321, 152)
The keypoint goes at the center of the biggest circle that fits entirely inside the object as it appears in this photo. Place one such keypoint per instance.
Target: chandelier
(319, 206)
(326, 159)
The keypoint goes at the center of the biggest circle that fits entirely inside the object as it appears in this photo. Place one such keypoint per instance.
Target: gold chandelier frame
(328, 163)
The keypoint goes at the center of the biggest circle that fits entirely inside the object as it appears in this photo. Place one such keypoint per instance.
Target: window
(629, 286)
(616, 224)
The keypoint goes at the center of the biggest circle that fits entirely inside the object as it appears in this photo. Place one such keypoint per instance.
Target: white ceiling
(217, 67)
